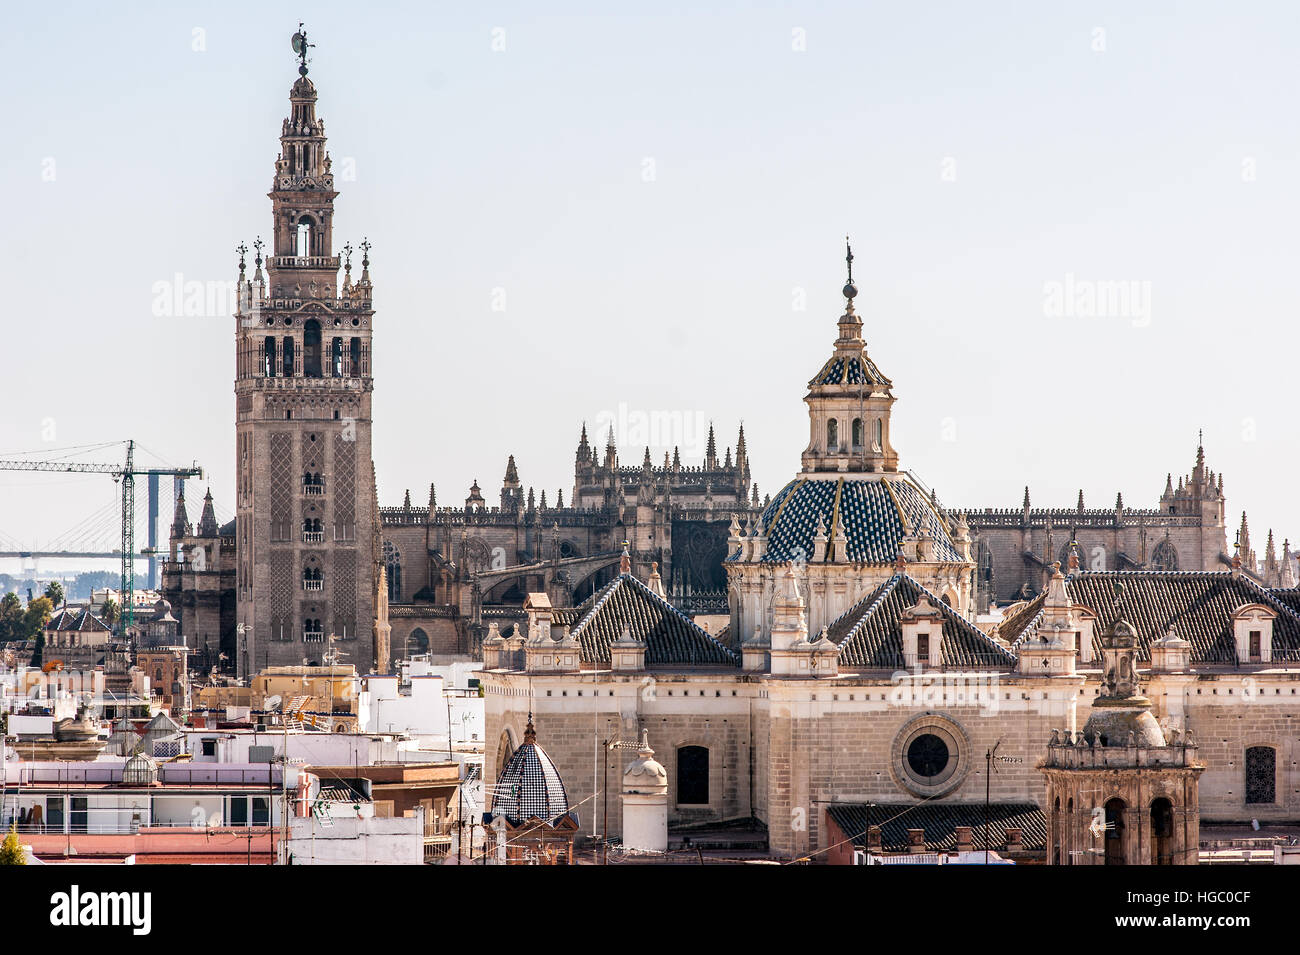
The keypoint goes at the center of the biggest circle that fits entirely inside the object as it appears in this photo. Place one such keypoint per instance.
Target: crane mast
(127, 473)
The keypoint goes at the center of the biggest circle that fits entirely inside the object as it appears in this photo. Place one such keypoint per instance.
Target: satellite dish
(271, 702)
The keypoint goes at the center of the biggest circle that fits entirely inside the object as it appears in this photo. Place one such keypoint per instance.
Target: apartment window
(209, 747)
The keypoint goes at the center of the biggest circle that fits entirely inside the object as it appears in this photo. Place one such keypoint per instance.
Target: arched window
(1115, 832)
(393, 563)
(1165, 556)
(288, 356)
(1162, 832)
(857, 434)
(1261, 774)
(417, 642)
(268, 357)
(692, 776)
(336, 358)
(877, 435)
(832, 435)
(354, 356)
(311, 349)
(304, 237)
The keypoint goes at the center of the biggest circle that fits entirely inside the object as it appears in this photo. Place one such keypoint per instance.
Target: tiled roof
(940, 822)
(81, 620)
(1198, 603)
(671, 638)
(530, 787)
(851, 370)
(869, 633)
(1019, 620)
(1290, 597)
(869, 514)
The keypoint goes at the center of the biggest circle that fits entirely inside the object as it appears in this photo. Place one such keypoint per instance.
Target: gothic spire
(208, 520)
(711, 450)
(181, 519)
(512, 474)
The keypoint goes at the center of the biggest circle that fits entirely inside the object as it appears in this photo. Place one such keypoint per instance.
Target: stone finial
(625, 560)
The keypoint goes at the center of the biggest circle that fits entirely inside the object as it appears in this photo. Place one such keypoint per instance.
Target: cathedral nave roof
(870, 633)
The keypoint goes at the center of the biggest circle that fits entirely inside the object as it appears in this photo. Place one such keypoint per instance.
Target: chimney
(915, 841)
(965, 841)
(874, 841)
(1014, 835)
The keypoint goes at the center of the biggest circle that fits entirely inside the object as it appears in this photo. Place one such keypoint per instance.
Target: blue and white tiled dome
(870, 514)
(530, 786)
(851, 370)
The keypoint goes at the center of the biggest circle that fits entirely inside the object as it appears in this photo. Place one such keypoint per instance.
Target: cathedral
(798, 661)
(1105, 718)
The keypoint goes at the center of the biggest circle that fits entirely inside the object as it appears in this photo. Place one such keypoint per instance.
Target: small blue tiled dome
(870, 514)
(530, 786)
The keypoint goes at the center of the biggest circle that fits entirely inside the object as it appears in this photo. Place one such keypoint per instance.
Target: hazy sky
(638, 212)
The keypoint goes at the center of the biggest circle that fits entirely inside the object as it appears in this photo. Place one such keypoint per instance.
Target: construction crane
(127, 474)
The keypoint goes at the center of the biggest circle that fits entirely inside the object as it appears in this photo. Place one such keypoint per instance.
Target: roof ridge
(880, 593)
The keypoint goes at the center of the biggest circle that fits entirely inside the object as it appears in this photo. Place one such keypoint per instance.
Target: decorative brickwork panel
(282, 479)
(344, 604)
(345, 484)
(282, 589)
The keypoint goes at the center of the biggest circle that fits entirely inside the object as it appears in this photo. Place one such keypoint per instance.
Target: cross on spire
(848, 258)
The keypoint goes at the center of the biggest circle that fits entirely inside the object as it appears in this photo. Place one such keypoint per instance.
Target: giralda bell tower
(306, 517)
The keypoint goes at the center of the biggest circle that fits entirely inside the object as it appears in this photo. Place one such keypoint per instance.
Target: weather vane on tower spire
(300, 47)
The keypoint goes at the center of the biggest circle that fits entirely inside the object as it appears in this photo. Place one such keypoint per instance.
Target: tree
(11, 853)
(54, 591)
(108, 612)
(39, 611)
(11, 617)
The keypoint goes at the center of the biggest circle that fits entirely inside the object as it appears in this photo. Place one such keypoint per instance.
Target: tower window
(288, 356)
(354, 355)
(877, 435)
(311, 347)
(268, 357)
(336, 356)
(304, 237)
(857, 434)
(1261, 775)
(832, 435)
(693, 776)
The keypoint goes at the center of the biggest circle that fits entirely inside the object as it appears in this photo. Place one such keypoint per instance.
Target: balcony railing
(313, 636)
(313, 490)
(313, 585)
(313, 537)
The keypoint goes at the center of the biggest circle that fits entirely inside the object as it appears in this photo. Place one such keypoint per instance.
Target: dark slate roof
(867, 512)
(1290, 597)
(940, 822)
(1197, 603)
(851, 370)
(1019, 620)
(81, 620)
(671, 637)
(530, 787)
(869, 633)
